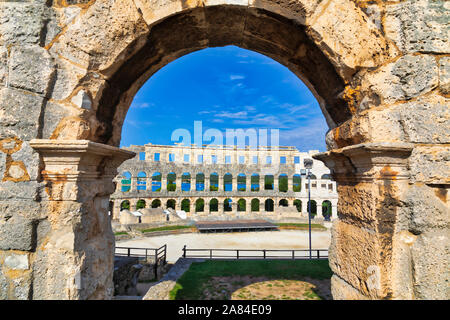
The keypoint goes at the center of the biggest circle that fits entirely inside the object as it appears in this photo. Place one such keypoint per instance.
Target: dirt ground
(263, 288)
(285, 239)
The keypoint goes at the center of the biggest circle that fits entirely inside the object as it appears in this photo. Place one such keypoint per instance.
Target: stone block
(31, 68)
(13, 105)
(341, 290)
(431, 272)
(419, 25)
(17, 233)
(4, 286)
(3, 66)
(16, 261)
(430, 164)
(444, 75)
(353, 252)
(426, 119)
(22, 22)
(404, 79)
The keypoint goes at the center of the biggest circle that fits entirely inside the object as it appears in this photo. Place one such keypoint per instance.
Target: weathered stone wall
(142, 170)
(69, 71)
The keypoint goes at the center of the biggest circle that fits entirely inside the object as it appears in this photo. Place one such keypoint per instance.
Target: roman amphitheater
(221, 182)
(69, 71)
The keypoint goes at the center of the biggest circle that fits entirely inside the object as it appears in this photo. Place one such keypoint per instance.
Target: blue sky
(225, 87)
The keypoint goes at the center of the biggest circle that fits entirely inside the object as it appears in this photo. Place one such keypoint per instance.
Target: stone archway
(75, 72)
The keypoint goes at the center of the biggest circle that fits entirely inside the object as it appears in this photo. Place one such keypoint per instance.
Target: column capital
(368, 161)
(70, 162)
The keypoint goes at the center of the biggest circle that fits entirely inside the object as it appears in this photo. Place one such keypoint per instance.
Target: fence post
(264, 254)
(210, 253)
(318, 254)
(165, 254)
(184, 251)
(237, 254)
(293, 254)
(128, 252)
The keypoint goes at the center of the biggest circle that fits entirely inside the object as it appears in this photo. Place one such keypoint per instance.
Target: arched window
(140, 204)
(213, 182)
(268, 182)
(156, 182)
(269, 205)
(213, 205)
(241, 205)
(141, 181)
(227, 205)
(298, 205)
(156, 203)
(313, 176)
(326, 176)
(313, 207)
(126, 181)
(241, 182)
(228, 182)
(327, 209)
(255, 182)
(171, 182)
(200, 182)
(283, 203)
(186, 182)
(297, 183)
(199, 205)
(171, 203)
(283, 182)
(186, 205)
(125, 205)
(255, 205)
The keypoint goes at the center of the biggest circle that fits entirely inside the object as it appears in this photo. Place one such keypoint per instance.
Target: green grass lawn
(302, 226)
(190, 285)
(120, 233)
(166, 228)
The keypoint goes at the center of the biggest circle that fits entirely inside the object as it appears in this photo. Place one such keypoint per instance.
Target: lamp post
(308, 163)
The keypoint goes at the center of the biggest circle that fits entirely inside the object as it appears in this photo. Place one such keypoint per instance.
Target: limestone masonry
(222, 181)
(379, 69)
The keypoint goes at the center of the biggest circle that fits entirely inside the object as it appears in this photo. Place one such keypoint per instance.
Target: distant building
(223, 181)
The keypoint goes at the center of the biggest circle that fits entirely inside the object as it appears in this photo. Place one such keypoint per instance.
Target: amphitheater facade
(224, 181)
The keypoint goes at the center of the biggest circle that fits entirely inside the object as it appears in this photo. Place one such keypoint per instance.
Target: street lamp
(308, 164)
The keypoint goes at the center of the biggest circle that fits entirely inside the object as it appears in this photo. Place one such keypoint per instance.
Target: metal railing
(233, 254)
(158, 254)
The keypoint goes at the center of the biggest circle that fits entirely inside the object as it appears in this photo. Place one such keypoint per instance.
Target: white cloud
(142, 105)
(236, 77)
(232, 115)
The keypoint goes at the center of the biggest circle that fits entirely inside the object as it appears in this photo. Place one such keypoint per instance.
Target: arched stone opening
(171, 203)
(125, 205)
(156, 182)
(156, 203)
(255, 205)
(200, 205)
(141, 204)
(283, 203)
(109, 49)
(241, 205)
(269, 205)
(186, 205)
(142, 181)
(126, 182)
(213, 205)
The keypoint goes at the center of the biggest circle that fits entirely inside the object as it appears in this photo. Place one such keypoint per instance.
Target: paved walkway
(161, 289)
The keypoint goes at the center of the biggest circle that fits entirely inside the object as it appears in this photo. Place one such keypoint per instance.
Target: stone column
(163, 182)
(276, 180)
(207, 183)
(133, 183)
(261, 183)
(77, 260)
(371, 243)
(178, 183)
(248, 183)
(234, 183)
(221, 186)
(290, 183)
(262, 206)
